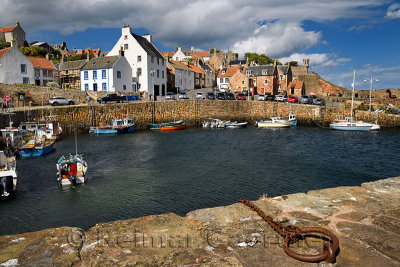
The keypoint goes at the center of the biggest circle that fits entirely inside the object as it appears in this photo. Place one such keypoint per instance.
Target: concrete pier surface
(365, 218)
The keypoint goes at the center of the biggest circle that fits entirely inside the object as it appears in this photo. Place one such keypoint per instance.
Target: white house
(44, 70)
(224, 77)
(179, 55)
(15, 67)
(149, 69)
(108, 74)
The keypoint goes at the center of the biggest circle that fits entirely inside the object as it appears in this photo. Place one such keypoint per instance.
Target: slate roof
(206, 67)
(72, 65)
(100, 63)
(41, 63)
(147, 46)
(258, 70)
(237, 62)
(4, 51)
(283, 69)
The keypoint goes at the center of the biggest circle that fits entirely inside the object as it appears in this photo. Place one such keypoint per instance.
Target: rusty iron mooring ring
(329, 249)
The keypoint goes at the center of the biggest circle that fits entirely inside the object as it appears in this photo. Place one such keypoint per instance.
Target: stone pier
(365, 218)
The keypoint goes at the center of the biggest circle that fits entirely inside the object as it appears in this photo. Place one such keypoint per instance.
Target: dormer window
(223, 72)
(126, 37)
(265, 72)
(248, 72)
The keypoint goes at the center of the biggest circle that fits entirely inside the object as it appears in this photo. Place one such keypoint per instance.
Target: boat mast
(76, 144)
(352, 95)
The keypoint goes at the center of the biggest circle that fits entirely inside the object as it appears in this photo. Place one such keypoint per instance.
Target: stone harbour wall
(364, 218)
(193, 112)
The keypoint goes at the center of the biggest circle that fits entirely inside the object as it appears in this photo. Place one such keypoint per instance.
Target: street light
(370, 90)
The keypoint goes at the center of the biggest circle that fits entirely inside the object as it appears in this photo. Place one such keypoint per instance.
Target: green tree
(260, 59)
(33, 51)
(292, 63)
(4, 44)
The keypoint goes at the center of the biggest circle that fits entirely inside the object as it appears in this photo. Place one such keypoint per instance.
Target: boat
(275, 122)
(215, 123)
(349, 124)
(172, 127)
(8, 174)
(293, 119)
(119, 126)
(156, 126)
(235, 124)
(55, 128)
(71, 170)
(36, 147)
(12, 136)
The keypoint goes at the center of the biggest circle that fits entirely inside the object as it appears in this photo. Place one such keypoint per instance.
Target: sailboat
(349, 124)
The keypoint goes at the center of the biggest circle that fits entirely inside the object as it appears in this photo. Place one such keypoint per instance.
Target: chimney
(121, 52)
(48, 56)
(14, 43)
(192, 48)
(17, 24)
(148, 37)
(62, 57)
(88, 54)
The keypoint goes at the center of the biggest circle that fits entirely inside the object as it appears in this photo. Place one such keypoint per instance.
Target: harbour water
(149, 173)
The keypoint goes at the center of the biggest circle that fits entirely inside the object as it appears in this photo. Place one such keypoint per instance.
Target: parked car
(270, 97)
(245, 92)
(319, 101)
(261, 97)
(170, 96)
(182, 95)
(211, 96)
(221, 96)
(60, 100)
(230, 96)
(293, 99)
(111, 98)
(199, 95)
(306, 99)
(281, 98)
(240, 96)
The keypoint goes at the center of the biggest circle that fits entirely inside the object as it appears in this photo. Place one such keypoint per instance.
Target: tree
(4, 44)
(33, 51)
(292, 63)
(260, 59)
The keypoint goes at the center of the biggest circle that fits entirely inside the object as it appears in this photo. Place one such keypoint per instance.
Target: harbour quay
(81, 117)
(364, 218)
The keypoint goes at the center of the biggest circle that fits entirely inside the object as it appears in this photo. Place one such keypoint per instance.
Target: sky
(337, 36)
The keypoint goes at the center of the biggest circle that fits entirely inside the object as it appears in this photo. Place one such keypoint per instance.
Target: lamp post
(371, 80)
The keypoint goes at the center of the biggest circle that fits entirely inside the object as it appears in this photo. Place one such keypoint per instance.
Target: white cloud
(278, 39)
(317, 61)
(393, 11)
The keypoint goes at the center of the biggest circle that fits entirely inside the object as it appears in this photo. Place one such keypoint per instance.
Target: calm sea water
(151, 172)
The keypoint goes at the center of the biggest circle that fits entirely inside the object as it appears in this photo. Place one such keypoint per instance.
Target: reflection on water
(151, 172)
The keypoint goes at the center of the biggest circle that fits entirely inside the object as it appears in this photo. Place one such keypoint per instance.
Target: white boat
(215, 123)
(275, 122)
(71, 170)
(235, 124)
(349, 124)
(8, 174)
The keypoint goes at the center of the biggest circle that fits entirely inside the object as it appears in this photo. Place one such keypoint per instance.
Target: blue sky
(336, 35)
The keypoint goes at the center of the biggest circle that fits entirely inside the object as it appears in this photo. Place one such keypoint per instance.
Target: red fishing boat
(167, 127)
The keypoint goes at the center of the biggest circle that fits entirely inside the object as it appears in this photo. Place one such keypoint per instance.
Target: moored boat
(172, 127)
(71, 170)
(8, 174)
(235, 124)
(274, 122)
(215, 123)
(156, 126)
(36, 147)
(119, 126)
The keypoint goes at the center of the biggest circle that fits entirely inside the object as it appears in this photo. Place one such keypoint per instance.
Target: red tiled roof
(7, 29)
(3, 52)
(202, 53)
(95, 52)
(297, 84)
(196, 69)
(229, 72)
(41, 63)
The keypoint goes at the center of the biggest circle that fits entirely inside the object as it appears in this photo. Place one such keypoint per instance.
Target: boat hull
(236, 125)
(274, 125)
(36, 151)
(66, 182)
(352, 126)
(172, 127)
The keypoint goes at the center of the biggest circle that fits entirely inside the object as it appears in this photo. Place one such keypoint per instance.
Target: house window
(124, 87)
(94, 75)
(163, 62)
(23, 68)
(118, 74)
(221, 80)
(25, 80)
(226, 80)
(44, 73)
(126, 37)
(67, 86)
(152, 59)
(139, 71)
(177, 59)
(125, 46)
(281, 77)
(248, 72)
(266, 81)
(158, 61)
(158, 73)
(86, 87)
(86, 75)
(104, 85)
(223, 72)
(162, 74)
(139, 58)
(103, 74)
(95, 87)
(197, 82)
(37, 73)
(243, 82)
(49, 73)
(138, 86)
(197, 75)
(66, 72)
